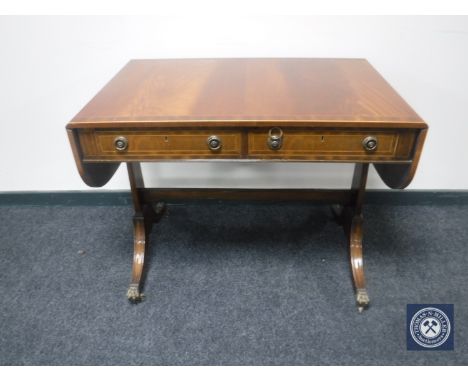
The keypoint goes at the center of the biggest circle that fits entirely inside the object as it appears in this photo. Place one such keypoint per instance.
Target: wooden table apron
(265, 110)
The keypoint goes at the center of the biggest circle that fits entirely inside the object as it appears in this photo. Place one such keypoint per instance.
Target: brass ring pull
(275, 138)
(214, 143)
(121, 143)
(370, 143)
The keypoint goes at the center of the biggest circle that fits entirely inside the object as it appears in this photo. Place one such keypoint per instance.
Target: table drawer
(331, 144)
(147, 145)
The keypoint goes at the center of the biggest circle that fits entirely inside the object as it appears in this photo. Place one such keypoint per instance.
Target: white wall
(51, 66)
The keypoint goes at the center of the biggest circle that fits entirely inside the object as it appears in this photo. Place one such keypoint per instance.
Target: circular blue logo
(430, 327)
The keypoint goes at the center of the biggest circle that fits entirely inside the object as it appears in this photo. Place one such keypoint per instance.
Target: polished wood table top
(248, 109)
(248, 92)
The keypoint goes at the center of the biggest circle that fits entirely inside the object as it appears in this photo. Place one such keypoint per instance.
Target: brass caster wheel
(362, 299)
(133, 294)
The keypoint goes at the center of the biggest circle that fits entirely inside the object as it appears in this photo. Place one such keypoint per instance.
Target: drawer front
(333, 145)
(147, 145)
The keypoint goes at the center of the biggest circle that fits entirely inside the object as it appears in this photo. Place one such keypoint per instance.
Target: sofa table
(252, 109)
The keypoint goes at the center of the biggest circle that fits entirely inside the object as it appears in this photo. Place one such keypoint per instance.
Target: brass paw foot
(337, 211)
(158, 208)
(134, 295)
(362, 299)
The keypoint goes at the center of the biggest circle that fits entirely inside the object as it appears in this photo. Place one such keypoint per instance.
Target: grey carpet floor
(228, 284)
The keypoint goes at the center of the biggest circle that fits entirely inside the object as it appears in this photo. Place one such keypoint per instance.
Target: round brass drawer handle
(121, 143)
(370, 143)
(214, 143)
(275, 138)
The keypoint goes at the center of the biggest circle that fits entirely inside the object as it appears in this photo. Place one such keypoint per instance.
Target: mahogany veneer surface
(250, 91)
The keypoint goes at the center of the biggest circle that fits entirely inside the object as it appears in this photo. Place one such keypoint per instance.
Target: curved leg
(357, 268)
(142, 222)
(139, 246)
(352, 222)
